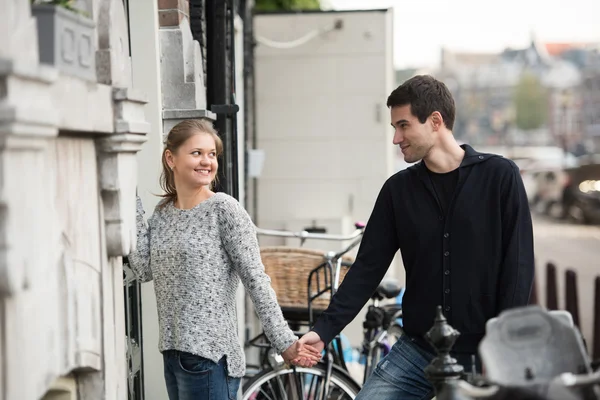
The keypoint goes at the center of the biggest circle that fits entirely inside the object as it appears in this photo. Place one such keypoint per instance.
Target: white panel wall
(322, 120)
(145, 64)
(321, 115)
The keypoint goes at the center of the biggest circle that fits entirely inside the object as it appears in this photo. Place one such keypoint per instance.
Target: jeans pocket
(406, 361)
(233, 386)
(193, 364)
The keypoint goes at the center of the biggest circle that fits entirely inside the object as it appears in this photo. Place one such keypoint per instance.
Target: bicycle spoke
(282, 387)
(312, 393)
(261, 391)
(299, 378)
(271, 387)
(293, 386)
(321, 390)
(264, 393)
(301, 385)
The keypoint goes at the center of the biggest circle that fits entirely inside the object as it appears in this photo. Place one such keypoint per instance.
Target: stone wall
(69, 130)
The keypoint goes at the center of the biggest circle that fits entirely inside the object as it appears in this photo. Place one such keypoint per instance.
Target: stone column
(145, 63)
(27, 122)
(172, 12)
(182, 76)
(117, 168)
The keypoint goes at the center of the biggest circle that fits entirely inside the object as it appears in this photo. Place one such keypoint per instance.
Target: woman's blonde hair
(176, 137)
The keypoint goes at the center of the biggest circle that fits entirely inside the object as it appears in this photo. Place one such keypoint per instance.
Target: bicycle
(528, 353)
(330, 378)
(381, 326)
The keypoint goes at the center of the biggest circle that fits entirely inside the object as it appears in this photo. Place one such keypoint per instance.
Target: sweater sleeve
(376, 251)
(239, 238)
(139, 260)
(517, 269)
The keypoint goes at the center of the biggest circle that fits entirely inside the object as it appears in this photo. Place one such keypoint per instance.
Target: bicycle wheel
(300, 384)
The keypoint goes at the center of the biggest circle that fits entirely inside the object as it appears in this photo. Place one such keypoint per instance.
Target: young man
(462, 223)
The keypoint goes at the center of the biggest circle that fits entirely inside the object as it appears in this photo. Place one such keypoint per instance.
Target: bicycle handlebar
(566, 380)
(476, 391)
(307, 235)
(578, 380)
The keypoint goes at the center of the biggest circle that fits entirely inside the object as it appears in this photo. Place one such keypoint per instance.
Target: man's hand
(313, 340)
(302, 351)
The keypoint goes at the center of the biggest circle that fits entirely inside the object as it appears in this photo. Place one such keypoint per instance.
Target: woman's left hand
(299, 350)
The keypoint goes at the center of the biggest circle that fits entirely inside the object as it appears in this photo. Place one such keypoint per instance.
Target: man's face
(414, 138)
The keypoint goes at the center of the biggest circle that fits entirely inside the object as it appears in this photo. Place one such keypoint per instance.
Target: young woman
(195, 247)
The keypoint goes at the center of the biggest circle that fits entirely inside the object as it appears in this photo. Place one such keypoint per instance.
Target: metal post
(551, 288)
(533, 298)
(220, 94)
(571, 295)
(133, 333)
(443, 371)
(596, 337)
(246, 10)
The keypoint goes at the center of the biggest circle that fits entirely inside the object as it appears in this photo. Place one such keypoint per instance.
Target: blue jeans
(400, 375)
(191, 377)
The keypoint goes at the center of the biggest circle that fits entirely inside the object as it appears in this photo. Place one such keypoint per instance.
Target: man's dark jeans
(400, 374)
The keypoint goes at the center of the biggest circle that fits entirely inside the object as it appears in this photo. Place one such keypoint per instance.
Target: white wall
(146, 76)
(323, 122)
(321, 116)
(241, 156)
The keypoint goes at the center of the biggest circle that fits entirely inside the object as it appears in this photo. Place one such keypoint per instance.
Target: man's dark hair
(425, 94)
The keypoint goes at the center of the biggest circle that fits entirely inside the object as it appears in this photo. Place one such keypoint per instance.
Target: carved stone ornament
(25, 126)
(66, 40)
(117, 167)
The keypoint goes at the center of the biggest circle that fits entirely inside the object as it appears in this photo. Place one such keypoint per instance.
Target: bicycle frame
(331, 274)
(375, 337)
(372, 340)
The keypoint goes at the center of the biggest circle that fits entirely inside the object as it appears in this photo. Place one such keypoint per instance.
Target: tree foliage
(530, 102)
(287, 5)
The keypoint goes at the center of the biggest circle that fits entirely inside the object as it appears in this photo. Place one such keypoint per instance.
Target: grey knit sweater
(195, 258)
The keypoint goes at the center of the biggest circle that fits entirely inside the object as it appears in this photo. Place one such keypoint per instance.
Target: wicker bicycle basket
(289, 269)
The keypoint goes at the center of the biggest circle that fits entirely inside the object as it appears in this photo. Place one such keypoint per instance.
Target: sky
(423, 27)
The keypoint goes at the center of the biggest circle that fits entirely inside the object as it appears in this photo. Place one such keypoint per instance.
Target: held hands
(313, 341)
(301, 351)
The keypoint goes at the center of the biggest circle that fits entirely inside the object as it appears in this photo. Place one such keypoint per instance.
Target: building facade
(85, 100)
(590, 93)
(486, 88)
(71, 124)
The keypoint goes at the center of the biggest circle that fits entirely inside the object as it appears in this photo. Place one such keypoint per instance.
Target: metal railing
(571, 301)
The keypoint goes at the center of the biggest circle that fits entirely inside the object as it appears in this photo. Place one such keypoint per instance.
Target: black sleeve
(376, 251)
(516, 273)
